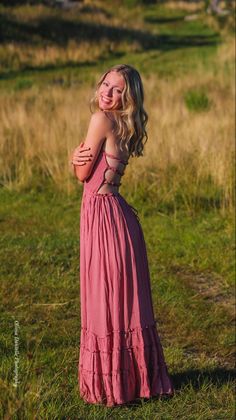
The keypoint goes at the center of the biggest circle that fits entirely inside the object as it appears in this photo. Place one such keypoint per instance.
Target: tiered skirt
(121, 356)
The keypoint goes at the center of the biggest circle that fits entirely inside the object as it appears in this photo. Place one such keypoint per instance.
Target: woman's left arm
(97, 131)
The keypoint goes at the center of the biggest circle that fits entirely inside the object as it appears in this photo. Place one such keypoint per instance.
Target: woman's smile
(107, 101)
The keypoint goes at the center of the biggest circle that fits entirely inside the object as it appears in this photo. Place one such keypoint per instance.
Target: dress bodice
(106, 174)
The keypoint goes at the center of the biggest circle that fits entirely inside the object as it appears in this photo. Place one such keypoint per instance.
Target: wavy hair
(131, 118)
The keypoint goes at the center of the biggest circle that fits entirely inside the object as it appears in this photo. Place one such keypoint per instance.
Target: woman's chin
(104, 107)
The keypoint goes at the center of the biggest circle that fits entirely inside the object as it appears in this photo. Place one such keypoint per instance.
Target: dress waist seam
(96, 194)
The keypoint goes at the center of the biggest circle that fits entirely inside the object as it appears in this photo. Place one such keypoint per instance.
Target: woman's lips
(106, 101)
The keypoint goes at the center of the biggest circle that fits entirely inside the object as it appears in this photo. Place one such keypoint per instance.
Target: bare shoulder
(101, 118)
(99, 127)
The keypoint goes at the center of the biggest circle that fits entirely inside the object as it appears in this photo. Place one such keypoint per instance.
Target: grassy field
(48, 75)
(192, 285)
(183, 188)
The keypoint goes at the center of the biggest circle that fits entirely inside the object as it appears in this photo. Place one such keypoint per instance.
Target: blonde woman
(121, 357)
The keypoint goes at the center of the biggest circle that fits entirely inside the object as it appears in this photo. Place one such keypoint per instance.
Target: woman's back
(109, 166)
(116, 161)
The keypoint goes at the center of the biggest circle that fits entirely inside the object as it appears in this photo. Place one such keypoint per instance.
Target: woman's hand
(81, 155)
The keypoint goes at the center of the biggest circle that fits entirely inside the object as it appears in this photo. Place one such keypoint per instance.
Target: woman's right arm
(79, 157)
(98, 129)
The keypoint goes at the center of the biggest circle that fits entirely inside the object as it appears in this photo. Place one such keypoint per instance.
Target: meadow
(183, 187)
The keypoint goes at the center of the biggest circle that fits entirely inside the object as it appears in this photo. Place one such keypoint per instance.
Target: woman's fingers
(84, 147)
(79, 157)
(82, 156)
(78, 154)
(79, 150)
(79, 164)
(75, 161)
(78, 160)
(81, 146)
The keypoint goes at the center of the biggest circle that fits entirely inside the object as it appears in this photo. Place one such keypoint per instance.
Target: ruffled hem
(122, 366)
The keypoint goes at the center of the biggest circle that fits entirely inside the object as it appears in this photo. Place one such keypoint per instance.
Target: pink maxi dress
(121, 357)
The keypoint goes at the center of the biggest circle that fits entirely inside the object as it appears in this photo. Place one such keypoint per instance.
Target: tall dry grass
(73, 49)
(18, 57)
(197, 148)
(187, 153)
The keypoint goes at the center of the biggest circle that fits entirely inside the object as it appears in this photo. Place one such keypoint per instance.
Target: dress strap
(115, 157)
(115, 170)
(112, 183)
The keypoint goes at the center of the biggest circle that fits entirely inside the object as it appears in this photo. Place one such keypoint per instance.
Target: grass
(188, 158)
(183, 188)
(40, 289)
(185, 65)
(34, 41)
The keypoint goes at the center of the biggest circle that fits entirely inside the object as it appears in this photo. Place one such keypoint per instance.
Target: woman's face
(110, 91)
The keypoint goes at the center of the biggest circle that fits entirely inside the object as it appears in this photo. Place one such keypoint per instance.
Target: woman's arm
(80, 156)
(98, 129)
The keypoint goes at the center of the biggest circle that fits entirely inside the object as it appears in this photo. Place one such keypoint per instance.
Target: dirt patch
(210, 286)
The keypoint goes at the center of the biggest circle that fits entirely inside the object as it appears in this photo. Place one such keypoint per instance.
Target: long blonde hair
(131, 118)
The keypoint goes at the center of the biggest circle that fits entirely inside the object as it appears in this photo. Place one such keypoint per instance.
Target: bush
(197, 100)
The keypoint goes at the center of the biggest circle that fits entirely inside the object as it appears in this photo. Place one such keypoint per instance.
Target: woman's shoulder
(101, 116)
(100, 125)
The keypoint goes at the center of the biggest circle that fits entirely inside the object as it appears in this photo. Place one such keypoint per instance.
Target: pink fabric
(121, 357)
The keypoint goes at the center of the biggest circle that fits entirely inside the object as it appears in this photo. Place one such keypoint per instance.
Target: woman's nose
(108, 92)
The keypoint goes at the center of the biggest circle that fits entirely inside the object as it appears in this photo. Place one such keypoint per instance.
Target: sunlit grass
(188, 158)
(183, 188)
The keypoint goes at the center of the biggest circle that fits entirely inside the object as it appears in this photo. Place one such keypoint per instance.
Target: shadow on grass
(59, 31)
(197, 378)
(49, 67)
(163, 20)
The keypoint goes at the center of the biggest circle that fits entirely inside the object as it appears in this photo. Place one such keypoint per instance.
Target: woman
(121, 357)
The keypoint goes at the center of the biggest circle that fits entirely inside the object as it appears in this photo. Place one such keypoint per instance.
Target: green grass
(190, 242)
(188, 257)
(197, 100)
(165, 43)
